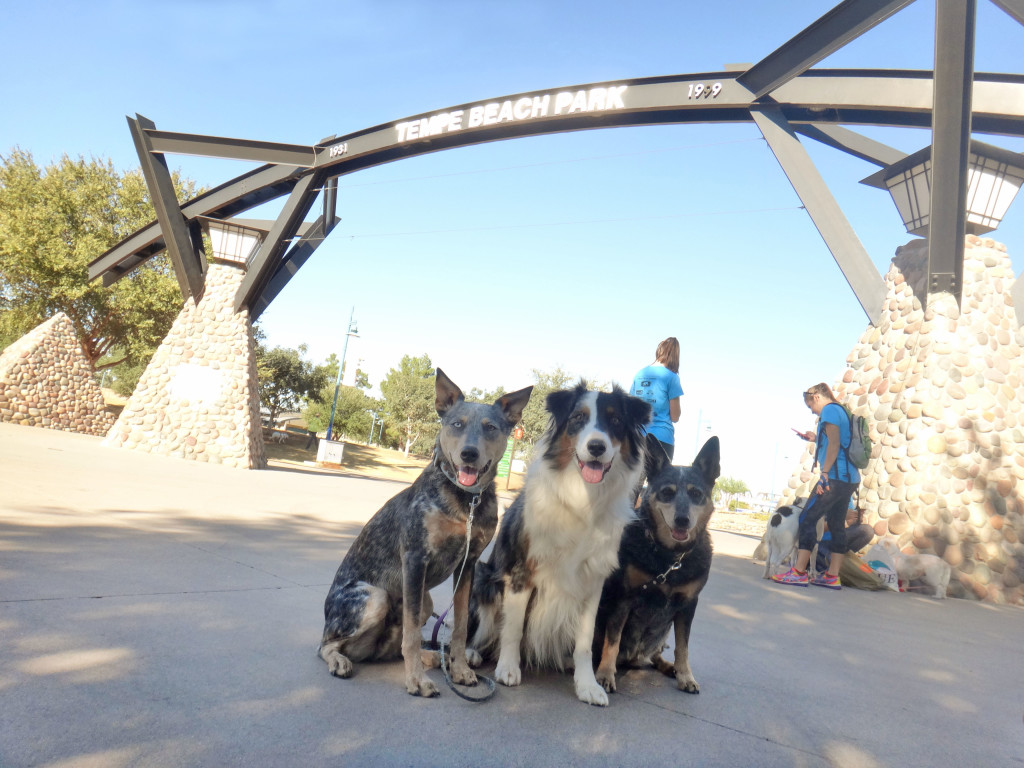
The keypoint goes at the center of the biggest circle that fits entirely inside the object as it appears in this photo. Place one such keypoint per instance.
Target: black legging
(831, 505)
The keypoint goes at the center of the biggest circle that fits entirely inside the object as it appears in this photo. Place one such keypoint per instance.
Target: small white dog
(932, 570)
(278, 437)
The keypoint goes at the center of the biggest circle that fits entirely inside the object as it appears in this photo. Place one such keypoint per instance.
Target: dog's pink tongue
(593, 472)
(468, 476)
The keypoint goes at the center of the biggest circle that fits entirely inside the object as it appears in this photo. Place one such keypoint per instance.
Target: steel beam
(234, 149)
(835, 229)
(297, 256)
(845, 22)
(852, 143)
(1013, 7)
(268, 258)
(951, 138)
(330, 199)
(247, 191)
(185, 252)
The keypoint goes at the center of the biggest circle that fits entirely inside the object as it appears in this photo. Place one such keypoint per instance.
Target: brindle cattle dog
(379, 600)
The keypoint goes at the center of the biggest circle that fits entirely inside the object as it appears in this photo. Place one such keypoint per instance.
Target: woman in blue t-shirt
(658, 384)
(831, 497)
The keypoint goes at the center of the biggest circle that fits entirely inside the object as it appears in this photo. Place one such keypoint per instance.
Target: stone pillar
(943, 389)
(46, 381)
(198, 398)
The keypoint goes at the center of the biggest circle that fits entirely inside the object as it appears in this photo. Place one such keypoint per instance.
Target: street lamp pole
(351, 330)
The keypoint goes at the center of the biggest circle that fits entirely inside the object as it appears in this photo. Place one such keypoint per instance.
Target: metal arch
(900, 98)
(816, 101)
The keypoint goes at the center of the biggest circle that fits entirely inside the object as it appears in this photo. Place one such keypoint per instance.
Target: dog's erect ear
(559, 404)
(446, 393)
(708, 461)
(655, 458)
(512, 404)
(639, 411)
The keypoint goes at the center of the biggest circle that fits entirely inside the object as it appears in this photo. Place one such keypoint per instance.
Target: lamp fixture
(994, 176)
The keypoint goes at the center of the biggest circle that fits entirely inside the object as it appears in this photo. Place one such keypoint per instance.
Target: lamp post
(351, 330)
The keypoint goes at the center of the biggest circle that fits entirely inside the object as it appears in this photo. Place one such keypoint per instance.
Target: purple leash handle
(437, 628)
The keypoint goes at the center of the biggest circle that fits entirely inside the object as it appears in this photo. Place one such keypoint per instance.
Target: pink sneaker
(791, 577)
(826, 581)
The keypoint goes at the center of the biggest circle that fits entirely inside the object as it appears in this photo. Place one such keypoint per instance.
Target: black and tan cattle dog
(536, 599)
(664, 561)
(379, 600)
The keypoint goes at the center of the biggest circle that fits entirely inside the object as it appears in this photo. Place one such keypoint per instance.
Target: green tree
(408, 406)
(728, 487)
(53, 222)
(535, 416)
(331, 366)
(477, 395)
(352, 416)
(286, 379)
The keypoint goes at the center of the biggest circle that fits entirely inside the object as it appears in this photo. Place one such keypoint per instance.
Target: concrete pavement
(158, 612)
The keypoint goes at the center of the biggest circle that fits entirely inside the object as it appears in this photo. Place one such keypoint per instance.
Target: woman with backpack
(831, 497)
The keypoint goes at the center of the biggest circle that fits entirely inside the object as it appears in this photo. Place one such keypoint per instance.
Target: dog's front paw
(421, 686)
(606, 677)
(339, 665)
(473, 657)
(590, 692)
(685, 682)
(462, 674)
(430, 659)
(508, 674)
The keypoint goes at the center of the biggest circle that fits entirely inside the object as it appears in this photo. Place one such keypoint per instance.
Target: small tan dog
(932, 570)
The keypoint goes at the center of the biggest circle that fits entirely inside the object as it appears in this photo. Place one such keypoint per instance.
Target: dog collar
(663, 577)
(448, 470)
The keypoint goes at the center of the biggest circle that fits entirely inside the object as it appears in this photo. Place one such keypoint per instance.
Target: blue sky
(579, 250)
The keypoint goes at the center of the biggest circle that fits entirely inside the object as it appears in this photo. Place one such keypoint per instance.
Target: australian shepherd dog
(536, 598)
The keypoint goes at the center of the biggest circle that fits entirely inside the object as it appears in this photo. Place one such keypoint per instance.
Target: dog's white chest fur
(574, 532)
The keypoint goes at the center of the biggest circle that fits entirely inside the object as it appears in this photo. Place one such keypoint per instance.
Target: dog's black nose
(682, 521)
(469, 454)
(596, 447)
